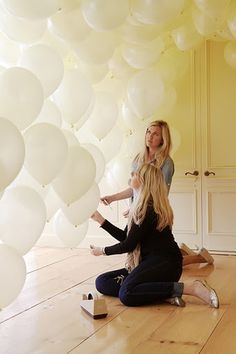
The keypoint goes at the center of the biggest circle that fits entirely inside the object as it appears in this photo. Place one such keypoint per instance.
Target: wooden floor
(46, 317)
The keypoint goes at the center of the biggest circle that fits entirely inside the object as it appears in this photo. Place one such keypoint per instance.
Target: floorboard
(47, 318)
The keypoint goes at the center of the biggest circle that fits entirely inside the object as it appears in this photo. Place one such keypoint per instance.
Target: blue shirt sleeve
(168, 170)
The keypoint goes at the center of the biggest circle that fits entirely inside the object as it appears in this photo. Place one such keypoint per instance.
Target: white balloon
(21, 96)
(230, 54)
(204, 24)
(103, 15)
(71, 60)
(173, 64)
(186, 37)
(145, 91)
(21, 29)
(22, 218)
(113, 85)
(95, 73)
(12, 274)
(224, 33)
(81, 210)
(69, 25)
(2, 69)
(119, 67)
(213, 8)
(141, 56)
(12, 152)
(133, 143)
(168, 101)
(129, 117)
(104, 114)
(77, 175)
(120, 170)
(176, 140)
(73, 96)
(93, 53)
(9, 51)
(53, 203)
(68, 5)
(138, 33)
(46, 64)
(85, 135)
(32, 9)
(45, 151)
(70, 138)
(231, 19)
(157, 12)
(70, 235)
(61, 46)
(50, 113)
(24, 178)
(111, 144)
(86, 115)
(98, 158)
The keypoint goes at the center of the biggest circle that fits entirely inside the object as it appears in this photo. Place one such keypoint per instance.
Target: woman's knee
(124, 296)
(100, 283)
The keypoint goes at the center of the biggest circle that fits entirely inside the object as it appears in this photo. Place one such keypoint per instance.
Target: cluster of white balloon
(79, 80)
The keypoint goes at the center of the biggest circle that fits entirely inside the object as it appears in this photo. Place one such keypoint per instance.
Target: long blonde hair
(153, 192)
(163, 150)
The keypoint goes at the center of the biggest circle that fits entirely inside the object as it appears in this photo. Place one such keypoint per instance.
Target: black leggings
(154, 279)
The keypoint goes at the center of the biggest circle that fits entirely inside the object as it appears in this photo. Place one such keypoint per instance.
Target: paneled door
(218, 150)
(203, 194)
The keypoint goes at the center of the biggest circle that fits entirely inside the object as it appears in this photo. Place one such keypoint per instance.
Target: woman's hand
(107, 199)
(96, 251)
(96, 216)
(126, 213)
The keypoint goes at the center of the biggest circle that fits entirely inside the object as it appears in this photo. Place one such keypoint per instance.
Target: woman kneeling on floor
(154, 277)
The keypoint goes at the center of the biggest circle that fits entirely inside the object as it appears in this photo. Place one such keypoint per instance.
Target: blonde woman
(150, 221)
(156, 150)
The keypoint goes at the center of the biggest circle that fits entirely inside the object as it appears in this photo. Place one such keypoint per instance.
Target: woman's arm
(114, 231)
(135, 235)
(96, 216)
(107, 199)
(168, 170)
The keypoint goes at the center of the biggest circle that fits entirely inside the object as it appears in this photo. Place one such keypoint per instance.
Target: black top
(152, 241)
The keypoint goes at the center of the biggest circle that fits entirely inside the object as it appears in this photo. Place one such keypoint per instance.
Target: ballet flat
(176, 300)
(214, 300)
(187, 250)
(206, 255)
